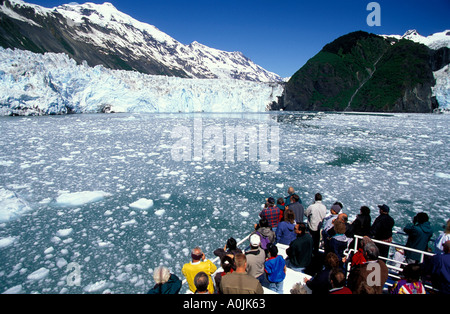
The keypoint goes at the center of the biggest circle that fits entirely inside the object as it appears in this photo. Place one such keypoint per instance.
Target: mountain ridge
(102, 35)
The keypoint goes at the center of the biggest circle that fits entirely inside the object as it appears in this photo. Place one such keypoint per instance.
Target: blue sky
(279, 35)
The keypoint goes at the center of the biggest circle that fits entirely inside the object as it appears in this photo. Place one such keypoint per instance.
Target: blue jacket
(274, 268)
(338, 244)
(285, 233)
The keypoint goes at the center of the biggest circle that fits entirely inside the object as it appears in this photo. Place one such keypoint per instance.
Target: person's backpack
(264, 240)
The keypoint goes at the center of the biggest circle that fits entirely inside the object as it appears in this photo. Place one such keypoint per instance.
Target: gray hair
(196, 250)
(161, 275)
(371, 251)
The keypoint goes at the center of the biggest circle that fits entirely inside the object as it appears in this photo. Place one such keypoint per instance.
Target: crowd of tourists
(317, 242)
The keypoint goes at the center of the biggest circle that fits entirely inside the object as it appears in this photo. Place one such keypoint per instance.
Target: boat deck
(292, 277)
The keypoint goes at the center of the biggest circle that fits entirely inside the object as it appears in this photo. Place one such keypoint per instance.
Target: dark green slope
(365, 72)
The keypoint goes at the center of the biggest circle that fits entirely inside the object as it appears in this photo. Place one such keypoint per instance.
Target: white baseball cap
(255, 240)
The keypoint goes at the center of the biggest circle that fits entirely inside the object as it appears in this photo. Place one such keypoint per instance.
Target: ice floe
(80, 198)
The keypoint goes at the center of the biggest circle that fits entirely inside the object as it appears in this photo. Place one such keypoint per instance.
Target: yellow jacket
(189, 271)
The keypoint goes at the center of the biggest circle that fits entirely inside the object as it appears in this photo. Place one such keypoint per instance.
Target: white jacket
(315, 213)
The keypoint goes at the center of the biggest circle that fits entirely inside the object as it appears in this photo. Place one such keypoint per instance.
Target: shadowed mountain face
(100, 34)
(368, 73)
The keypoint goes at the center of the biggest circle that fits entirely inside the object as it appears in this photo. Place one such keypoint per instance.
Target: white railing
(394, 268)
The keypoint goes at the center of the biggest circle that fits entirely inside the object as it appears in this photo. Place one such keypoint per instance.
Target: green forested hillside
(364, 72)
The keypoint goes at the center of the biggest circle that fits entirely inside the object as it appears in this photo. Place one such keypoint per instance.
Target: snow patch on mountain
(434, 41)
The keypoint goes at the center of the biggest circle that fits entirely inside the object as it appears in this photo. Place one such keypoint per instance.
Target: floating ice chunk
(105, 244)
(129, 222)
(159, 212)
(65, 159)
(64, 232)
(81, 198)
(142, 203)
(97, 286)
(49, 250)
(39, 274)
(14, 290)
(61, 262)
(11, 206)
(67, 241)
(442, 175)
(281, 185)
(6, 163)
(45, 201)
(244, 214)
(4, 242)
(166, 196)
(166, 254)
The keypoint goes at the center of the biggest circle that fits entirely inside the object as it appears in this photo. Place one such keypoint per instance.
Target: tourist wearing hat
(327, 222)
(255, 258)
(382, 229)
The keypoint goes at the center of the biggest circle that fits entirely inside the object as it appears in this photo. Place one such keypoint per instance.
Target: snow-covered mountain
(40, 84)
(100, 34)
(434, 41)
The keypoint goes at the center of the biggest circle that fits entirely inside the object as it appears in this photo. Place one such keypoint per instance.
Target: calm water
(198, 198)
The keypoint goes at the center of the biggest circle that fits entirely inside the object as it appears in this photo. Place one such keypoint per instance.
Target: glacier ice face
(442, 88)
(35, 84)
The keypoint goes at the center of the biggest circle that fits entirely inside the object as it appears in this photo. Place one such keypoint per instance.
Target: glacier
(442, 88)
(50, 83)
